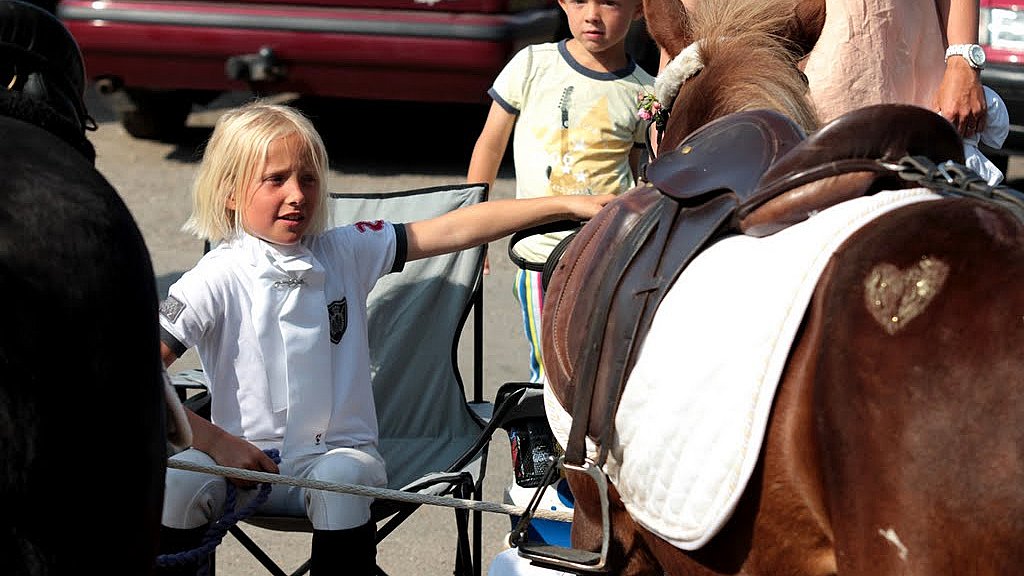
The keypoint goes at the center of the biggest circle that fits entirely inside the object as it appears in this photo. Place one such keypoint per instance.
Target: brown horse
(894, 444)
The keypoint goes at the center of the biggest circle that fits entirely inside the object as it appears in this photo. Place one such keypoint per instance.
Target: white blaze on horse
(854, 302)
(84, 416)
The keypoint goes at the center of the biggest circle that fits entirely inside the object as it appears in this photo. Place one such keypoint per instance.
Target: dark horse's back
(919, 399)
(82, 442)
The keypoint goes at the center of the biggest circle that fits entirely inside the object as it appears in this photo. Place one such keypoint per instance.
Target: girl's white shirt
(259, 317)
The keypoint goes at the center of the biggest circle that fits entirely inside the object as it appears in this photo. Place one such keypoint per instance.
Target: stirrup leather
(561, 557)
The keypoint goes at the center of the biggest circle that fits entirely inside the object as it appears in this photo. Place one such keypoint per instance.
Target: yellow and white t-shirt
(575, 127)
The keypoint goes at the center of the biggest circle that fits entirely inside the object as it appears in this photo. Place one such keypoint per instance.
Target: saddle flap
(730, 153)
(845, 159)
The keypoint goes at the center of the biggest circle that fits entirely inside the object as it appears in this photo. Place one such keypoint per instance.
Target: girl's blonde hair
(236, 155)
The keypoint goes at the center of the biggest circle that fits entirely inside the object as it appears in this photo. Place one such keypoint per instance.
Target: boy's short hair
(236, 154)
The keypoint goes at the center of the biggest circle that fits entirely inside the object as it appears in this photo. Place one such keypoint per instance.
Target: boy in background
(573, 108)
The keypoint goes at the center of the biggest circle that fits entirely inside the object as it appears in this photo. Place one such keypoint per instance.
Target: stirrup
(561, 557)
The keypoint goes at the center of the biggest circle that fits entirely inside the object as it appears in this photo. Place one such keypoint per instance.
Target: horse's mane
(747, 65)
(668, 23)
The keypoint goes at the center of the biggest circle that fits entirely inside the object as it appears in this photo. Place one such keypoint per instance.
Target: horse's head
(668, 23)
(42, 71)
(740, 58)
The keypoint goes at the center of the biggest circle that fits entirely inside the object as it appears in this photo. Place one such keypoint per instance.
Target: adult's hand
(961, 99)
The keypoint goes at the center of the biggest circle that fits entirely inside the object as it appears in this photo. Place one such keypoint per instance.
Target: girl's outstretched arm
(488, 221)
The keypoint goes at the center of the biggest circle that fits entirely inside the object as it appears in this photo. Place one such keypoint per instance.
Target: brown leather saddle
(751, 172)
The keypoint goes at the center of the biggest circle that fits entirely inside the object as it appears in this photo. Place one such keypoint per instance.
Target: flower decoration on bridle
(649, 109)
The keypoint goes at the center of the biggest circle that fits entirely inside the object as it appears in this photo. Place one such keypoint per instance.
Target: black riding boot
(176, 541)
(351, 552)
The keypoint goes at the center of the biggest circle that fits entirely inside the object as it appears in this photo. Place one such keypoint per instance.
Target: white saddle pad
(693, 414)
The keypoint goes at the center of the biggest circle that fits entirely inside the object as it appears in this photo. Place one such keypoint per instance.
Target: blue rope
(218, 528)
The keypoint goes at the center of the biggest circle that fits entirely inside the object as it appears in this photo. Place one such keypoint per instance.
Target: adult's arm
(960, 97)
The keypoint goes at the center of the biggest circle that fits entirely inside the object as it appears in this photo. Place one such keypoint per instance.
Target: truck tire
(155, 115)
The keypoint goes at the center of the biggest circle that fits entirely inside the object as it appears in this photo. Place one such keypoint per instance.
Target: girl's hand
(585, 207)
(234, 452)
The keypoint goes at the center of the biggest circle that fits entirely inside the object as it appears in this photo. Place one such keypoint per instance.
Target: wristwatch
(974, 54)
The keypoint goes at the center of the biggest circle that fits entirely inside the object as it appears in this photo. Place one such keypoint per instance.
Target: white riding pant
(193, 499)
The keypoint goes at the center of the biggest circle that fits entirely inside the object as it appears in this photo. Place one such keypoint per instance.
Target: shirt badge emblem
(337, 311)
(171, 308)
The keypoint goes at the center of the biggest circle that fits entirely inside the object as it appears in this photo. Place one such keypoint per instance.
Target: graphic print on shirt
(563, 109)
(337, 311)
(574, 147)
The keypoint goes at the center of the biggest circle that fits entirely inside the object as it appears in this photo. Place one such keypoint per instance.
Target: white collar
(285, 258)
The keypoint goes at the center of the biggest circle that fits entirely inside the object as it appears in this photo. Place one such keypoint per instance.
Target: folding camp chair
(432, 438)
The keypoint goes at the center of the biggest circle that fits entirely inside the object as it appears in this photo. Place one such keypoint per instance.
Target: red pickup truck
(1001, 33)
(156, 58)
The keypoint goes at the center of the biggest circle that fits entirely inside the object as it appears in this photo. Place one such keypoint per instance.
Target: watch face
(976, 54)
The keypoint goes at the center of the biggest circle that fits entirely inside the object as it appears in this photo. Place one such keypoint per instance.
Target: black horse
(82, 407)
